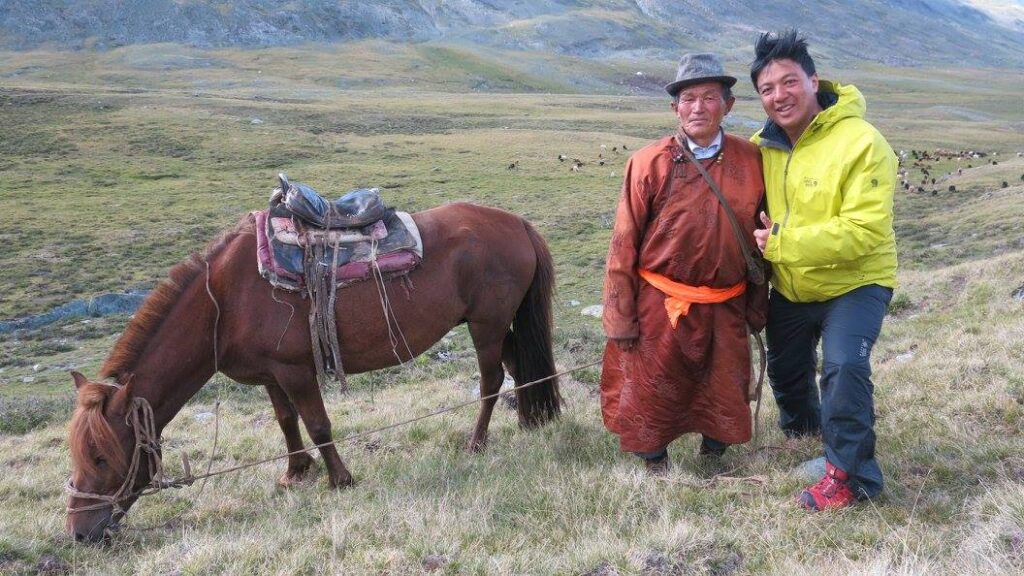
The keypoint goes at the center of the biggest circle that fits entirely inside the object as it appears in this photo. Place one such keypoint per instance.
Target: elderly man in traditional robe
(677, 301)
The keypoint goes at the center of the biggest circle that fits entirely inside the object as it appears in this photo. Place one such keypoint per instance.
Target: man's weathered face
(700, 109)
(789, 95)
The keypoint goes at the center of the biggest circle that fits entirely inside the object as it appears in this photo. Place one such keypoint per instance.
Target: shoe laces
(829, 485)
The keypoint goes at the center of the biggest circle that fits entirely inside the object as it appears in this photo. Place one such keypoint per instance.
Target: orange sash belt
(679, 296)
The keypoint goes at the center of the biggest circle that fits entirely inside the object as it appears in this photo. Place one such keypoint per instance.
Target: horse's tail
(527, 351)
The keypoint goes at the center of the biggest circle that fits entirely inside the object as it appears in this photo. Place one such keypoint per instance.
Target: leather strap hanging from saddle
(755, 264)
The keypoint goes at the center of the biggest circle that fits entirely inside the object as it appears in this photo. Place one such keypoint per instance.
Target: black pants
(847, 327)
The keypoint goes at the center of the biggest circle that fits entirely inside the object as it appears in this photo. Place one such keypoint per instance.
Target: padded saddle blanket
(288, 243)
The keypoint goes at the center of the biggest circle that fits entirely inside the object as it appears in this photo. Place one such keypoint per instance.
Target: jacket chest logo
(810, 182)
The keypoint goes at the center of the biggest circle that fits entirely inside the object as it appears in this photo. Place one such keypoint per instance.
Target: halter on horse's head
(111, 433)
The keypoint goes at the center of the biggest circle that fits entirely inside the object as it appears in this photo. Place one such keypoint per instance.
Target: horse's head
(102, 443)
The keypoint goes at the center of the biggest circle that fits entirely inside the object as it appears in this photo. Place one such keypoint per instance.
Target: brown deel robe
(693, 378)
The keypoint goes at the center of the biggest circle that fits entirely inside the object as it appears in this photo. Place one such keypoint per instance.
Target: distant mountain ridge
(908, 32)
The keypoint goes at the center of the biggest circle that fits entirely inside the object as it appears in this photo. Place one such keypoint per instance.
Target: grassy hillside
(116, 166)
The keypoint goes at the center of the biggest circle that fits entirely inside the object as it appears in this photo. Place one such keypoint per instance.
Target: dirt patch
(658, 563)
(602, 569)
(642, 83)
(703, 558)
(509, 401)
(23, 461)
(434, 562)
(50, 564)
(1015, 469)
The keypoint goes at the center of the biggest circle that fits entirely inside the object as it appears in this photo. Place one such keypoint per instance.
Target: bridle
(147, 447)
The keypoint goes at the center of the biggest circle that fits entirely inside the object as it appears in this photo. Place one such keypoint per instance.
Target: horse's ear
(122, 398)
(79, 379)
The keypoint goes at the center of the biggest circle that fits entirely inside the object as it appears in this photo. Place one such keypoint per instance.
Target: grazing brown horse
(481, 266)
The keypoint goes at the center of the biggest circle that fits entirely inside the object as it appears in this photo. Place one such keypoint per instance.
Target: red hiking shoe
(830, 493)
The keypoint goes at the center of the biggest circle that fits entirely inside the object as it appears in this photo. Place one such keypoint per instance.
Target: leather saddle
(302, 234)
(356, 209)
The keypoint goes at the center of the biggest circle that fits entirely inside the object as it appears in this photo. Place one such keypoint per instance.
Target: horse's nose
(89, 535)
(93, 537)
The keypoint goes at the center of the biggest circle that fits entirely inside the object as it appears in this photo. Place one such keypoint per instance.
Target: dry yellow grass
(563, 500)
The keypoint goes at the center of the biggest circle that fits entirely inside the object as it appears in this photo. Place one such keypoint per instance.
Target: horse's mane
(154, 309)
(89, 429)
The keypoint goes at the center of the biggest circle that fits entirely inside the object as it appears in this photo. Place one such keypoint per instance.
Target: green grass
(117, 165)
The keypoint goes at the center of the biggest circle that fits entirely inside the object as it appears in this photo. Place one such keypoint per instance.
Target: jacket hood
(837, 102)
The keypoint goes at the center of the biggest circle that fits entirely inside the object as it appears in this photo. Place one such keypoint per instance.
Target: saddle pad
(282, 262)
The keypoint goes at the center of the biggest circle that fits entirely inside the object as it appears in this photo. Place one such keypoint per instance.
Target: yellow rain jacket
(830, 198)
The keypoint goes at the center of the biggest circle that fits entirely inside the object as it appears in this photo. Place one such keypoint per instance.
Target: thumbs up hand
(761, 235)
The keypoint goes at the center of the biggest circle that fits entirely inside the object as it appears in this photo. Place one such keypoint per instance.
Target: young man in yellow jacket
(829, 178)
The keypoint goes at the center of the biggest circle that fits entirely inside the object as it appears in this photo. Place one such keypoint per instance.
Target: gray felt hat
(696, 69)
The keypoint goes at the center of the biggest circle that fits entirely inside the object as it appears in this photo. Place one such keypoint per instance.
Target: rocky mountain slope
(910, 32)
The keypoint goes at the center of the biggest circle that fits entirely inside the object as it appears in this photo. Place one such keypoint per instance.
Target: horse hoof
(293, 478)
(345, 481)
(289, 480)
(476, 446)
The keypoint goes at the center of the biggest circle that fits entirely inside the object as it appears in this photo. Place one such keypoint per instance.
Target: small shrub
(22, 415)
(223, 388)
(10, 358)
(900, 303)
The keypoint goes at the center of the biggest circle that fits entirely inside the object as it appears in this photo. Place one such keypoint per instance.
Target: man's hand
(761, 236)
(625, 344)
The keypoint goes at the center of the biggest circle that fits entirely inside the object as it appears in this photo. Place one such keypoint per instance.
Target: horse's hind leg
(304, 393)
(300, 463)
(488, 339)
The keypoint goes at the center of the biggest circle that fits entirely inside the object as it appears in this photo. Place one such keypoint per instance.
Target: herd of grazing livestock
(926, 171)
(920, 171)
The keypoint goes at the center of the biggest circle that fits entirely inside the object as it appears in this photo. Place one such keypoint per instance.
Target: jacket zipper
(785, 188)
(785, 218)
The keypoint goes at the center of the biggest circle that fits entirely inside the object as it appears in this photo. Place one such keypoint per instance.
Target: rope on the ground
(188, 480)
(141, 421)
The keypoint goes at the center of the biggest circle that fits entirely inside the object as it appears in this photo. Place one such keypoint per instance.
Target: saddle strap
(287, 232)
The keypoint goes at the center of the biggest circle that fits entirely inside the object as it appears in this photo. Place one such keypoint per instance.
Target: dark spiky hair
(787, 45)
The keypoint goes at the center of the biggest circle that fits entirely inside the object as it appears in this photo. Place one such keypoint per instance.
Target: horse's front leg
(488, 341)
(299, 463)
(302, 389)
